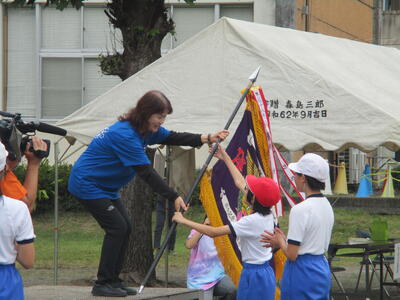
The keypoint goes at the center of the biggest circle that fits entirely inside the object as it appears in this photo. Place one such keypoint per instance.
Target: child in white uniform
(306, 275)
(16, 241)
(257, 280)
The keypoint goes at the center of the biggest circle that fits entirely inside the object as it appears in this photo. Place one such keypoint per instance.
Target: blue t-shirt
(107, 164)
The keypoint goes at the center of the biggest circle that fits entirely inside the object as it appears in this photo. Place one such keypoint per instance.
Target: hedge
(67, 202)
(45, 197)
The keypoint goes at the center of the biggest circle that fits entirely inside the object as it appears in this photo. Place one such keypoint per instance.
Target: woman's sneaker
(122, 286)
(107, 290)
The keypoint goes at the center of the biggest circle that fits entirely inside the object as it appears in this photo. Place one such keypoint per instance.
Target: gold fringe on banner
(279, 261)
(226, 253)
(261, 138)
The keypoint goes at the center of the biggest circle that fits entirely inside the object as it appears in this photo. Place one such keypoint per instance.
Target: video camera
(15, 134)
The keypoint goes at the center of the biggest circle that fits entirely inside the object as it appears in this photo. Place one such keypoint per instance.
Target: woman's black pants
(113, 218)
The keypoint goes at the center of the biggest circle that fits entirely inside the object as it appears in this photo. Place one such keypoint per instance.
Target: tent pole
(56, 213)
(62, 158)
(167, 204)
(252, 79)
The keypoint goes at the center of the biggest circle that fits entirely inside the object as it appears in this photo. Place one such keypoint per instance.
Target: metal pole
(56, 213)
(252, 79)
(167, 178)
(306, 10)
(377, 27)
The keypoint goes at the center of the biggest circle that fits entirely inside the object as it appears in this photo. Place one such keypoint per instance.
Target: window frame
(42, 53)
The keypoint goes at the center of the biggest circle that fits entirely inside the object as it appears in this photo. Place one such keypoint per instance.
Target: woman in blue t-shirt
(112, 159)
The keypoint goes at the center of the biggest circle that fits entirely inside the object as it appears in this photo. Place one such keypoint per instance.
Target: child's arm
(26, 255)
(202, 228)
(193, 240)
(238, 178)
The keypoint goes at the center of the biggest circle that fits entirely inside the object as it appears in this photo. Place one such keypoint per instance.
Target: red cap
(265, 189)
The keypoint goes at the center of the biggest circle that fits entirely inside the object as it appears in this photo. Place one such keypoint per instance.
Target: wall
(350, 19)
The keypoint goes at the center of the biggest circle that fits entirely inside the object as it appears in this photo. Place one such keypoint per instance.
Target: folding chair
(364, 264)
(387, 261)
(340, 285)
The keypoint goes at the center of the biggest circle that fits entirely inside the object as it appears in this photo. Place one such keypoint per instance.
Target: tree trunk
(137, 197)
(143, 24)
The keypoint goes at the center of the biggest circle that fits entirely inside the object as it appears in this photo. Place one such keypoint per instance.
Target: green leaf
(42, 195)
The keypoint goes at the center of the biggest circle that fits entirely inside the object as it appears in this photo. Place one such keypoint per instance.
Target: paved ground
(348, 279)
(76, 284)
(42, 292)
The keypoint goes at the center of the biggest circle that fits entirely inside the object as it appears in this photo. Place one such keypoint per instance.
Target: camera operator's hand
(37, 144)
(32, 171)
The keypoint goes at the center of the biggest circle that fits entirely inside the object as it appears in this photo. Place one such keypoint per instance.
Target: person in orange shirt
(27, 192)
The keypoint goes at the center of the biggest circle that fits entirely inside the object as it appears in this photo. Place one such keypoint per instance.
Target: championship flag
(253, 152)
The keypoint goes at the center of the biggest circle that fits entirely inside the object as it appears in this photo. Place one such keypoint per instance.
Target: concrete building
(370, 21)
(50, 63)
(351, 19)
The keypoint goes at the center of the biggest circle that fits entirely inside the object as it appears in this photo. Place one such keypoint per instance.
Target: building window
(240, 12)
(391, 5)
(191, 20)
(98, 33)
(60, 29)
(61, 87)
(21, 72)
(51, 79)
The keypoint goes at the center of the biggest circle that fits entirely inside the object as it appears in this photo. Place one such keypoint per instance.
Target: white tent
(323, 92)
(337, 92)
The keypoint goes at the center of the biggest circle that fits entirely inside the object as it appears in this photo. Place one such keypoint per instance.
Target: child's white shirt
(310, 225)
(249, 229)
(16, 227)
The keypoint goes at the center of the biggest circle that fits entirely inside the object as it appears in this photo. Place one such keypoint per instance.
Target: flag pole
(252, 79)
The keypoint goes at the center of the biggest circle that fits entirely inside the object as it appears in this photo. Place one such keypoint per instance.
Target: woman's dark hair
(314, 184)
(257, 207)
(153, 102)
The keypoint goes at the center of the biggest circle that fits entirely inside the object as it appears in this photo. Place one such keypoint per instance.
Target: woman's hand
(180, 204)
(274, 240)
(178, 217)
(223, 134)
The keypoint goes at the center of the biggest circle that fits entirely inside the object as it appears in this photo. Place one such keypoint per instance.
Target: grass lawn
(80, 237)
